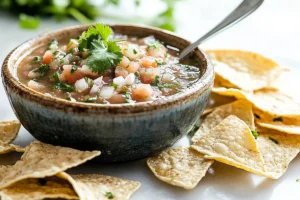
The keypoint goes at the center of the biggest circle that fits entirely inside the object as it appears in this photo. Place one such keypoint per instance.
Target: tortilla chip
(98, 187)
(182, 167)
(3, 170)
(43, 160)
(216, 100)
(9, 130)
(231, 142)
(279, 126)
(270, 102)
(277, 156)
(244, 70)
(35, 189)
(241, 108)
(230, 92)
(6, 148)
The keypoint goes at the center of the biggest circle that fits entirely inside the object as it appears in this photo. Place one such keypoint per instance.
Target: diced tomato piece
(48, 57)
(69, 77)
(142, 92)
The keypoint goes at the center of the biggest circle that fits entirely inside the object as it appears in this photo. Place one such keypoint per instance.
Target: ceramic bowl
(122, 132)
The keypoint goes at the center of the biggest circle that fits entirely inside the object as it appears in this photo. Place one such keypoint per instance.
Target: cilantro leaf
(103, 56)
(100, 31)
(254, 133)
(63, 86)
(109, 195)
(41, 71)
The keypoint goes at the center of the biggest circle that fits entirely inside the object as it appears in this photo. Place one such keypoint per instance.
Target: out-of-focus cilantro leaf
(28, 22)
(103, 56)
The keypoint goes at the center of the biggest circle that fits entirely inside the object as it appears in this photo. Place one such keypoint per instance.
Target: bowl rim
(204, 83)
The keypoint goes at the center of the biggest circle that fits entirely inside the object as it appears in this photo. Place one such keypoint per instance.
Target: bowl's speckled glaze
(122, 132)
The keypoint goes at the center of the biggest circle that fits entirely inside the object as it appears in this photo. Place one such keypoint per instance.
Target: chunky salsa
(102, 67)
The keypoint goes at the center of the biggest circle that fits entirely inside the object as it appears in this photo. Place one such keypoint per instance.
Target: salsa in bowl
(122, 125)
(106, 68)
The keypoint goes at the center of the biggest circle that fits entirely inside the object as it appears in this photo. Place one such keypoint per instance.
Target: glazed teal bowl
(122, 132)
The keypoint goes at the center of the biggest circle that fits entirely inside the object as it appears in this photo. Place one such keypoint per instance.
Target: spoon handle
(242, 11)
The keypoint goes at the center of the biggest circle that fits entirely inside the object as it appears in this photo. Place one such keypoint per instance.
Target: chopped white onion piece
(120, 81)
(81, 85)
(167, 78)
(95, 89)
(107, 92)
(129, 80)
(99, 81)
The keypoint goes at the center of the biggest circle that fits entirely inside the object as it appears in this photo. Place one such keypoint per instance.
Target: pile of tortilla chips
(39, 174)
(249, 124)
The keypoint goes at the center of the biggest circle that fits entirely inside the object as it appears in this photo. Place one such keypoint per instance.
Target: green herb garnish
(54, 43)
(298, 180)
(72, 51)
(257, 116)
(154, 45)
(74, 68)
(156, 81)
(103, 53)
(254, 133)
(114, 85)
(36, 59)
(41, 71)
(160, 62)
(109, 195)
(55, 76)
(167, 85)
(28, 22)
(61, 85)
(90, 100)
(127, 96)
(277, 119)
(274, 140)
(134, 51)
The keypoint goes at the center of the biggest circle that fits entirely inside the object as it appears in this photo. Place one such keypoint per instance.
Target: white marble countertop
(273, 30)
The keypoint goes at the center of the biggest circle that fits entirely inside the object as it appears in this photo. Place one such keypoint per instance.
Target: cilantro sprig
(103, 53)
(59, 85)
(41, 71)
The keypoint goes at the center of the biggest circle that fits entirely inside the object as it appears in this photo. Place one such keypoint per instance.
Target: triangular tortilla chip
(43, 160)
(278, 150)
(100, 187)
(245, 70)
(6, 148)
(182, 167)
(241, 108)
(9, 131)
(33, 189)
(270, 102)
(232, 143)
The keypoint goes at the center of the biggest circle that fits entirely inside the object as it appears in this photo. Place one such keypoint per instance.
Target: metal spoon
(242, 11)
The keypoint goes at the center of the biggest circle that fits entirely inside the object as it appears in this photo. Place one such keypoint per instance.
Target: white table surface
(273, 31)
